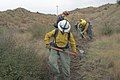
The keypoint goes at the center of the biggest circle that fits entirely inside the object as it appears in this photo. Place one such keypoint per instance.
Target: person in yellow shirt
(63, 41)
(85, 29)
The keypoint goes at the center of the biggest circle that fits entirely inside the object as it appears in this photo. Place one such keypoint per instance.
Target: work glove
(74, 54)
(81, 54)
(48, 46)
(81, 32)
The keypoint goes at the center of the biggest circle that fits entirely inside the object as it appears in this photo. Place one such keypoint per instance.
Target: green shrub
(117, 29)
(3, 30)
(20, 62)
(107, 30)
(38, 31)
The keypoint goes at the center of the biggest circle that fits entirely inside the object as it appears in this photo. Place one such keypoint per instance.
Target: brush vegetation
(22, 51)
(20, 57)
(104, 54)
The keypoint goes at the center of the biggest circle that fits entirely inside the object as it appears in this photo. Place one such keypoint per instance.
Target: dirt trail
(77, 63)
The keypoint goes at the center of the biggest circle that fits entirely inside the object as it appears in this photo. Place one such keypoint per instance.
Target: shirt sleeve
(86, 27)
(48, 36)
(72, 43)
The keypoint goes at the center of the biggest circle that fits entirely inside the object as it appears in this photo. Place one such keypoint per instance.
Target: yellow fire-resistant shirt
(61, 39)
(84, 25)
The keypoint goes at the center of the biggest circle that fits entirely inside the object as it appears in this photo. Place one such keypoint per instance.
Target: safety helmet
(66, 13)
(64, 26)
(83, 22)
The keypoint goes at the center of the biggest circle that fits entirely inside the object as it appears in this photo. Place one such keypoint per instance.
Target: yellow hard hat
(83, 22)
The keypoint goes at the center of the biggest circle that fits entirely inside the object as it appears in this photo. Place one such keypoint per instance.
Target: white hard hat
(64, 26)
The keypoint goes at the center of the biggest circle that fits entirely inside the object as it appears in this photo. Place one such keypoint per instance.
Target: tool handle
(57, 49)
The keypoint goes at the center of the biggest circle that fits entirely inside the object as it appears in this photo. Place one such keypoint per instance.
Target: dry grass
(106, 53)
(23, 56)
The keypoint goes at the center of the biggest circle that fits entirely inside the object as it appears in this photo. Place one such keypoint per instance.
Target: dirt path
(77, 63)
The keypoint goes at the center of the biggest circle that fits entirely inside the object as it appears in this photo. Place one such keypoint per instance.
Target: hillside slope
(21, 41)
(102, 59)
(22, 18)
(108, 13)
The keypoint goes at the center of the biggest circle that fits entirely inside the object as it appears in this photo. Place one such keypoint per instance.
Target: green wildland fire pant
(64, 59)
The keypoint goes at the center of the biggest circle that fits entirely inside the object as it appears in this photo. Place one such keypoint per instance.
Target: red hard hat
(66, 13)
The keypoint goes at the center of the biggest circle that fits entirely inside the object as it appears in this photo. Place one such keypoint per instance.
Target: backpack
(53, 43)
(76, 26)
(60, 18)
(90, 30)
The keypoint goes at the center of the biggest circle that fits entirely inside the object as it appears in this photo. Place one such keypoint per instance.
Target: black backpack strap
(68, 36)
(55, 34)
